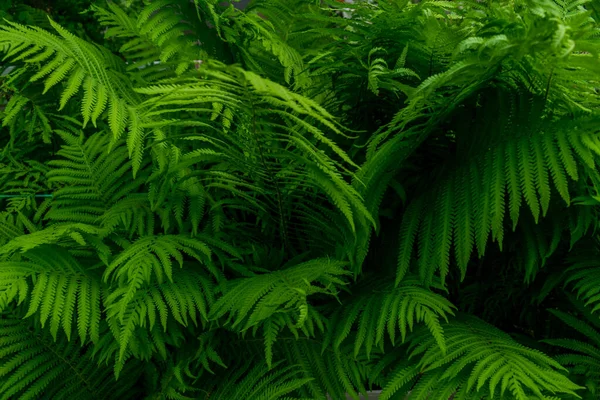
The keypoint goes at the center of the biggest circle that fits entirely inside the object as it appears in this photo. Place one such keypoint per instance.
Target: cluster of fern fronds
(301, 200)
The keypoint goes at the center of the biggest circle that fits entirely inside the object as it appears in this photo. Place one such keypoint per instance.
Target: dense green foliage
(305, 198)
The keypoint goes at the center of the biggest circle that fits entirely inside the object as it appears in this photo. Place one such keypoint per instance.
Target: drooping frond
(271, 55)
(584, 277)
(59, 291)
(511, 167)
(154, 255)
(248, 380)
(480, 361)
(248, 301)
(65, 235)
(187, 296)
(33, 366)
(381, 308)
(274, 150)
(470, 57)
(81, 65)
(580, 356)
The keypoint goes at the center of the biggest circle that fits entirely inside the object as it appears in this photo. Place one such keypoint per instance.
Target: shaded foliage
(299, 200)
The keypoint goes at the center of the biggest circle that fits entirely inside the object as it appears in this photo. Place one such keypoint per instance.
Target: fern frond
(584, 276)
(252, 383)
(277, 149)
(154, 255)
(190, 195)
(389, 309)
(32, 364)
(66, 56)
(249, 301)
(90, 178)
(138, 305)
(64, 293)
(480, 360)
(479, 186)
(332, 372)
(158, 34)
(65, 235)
(583, 357)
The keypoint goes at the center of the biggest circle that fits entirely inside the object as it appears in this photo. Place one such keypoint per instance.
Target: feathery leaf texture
(33, 363)
(200, 201)
(86, 66)
(248, 301)
(63, 294)
(583, 356)
(479, 360)
(470, 201)
(385, 308)
(584, 277)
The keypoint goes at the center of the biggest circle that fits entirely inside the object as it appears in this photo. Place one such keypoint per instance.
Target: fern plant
(583, 355)
(300, 200)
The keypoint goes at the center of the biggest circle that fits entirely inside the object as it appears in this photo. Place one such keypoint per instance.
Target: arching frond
(154, 255)
(250, 382)
(580, 356)
(500, 177)
(584, 277)
(63, 293)
(381, 307)
(480, 361)
(67, 58)
(186, 296)
(34, 366)
(248, 301)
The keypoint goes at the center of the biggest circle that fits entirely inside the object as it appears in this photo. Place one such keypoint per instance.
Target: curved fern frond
(381, 308)
(582, 356)
(480, 361)
(584, 277)
(63, 293)
(250, 382)
(154, 255)
(497, 179)
(273, 158)
(65, 235)
(137, 305)
(248, 301)
(86, 66)
(33, 366)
